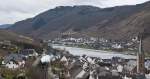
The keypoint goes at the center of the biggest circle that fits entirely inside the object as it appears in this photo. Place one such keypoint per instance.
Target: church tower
(140, 57)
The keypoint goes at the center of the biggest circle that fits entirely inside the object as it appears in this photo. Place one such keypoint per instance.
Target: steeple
(140, 56)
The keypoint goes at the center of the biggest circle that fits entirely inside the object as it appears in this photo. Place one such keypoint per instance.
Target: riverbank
(93, 53)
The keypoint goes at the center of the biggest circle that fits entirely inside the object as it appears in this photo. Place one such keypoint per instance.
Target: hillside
(16, 40)
(117, 23)
(5, 26)
(77, 18)
(8, 35)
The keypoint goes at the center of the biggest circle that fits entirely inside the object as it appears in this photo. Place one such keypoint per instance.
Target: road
(37, 61)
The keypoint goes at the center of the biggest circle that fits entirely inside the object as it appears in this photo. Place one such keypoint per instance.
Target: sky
(12, 11)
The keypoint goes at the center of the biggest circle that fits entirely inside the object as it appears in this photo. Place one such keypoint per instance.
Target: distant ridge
(116, 23)
(5, 26)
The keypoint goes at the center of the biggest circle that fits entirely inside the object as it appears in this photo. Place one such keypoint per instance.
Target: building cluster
(7, 45)
(17, 60)
(96, 43)
(63, 65)
(66, 66)
(85, 67)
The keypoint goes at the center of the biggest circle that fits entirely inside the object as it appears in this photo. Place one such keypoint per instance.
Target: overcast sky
(15, 10)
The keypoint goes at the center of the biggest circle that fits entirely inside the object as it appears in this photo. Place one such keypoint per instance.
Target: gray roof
(14, 57)
(115, 73)
(130, 65)
(27, 51)
(102, 71)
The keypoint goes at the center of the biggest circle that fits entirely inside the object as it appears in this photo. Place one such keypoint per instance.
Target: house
(147, 76)
(105, 74)
(46, 58)
(91, 75)
(130, 67)
(117, 60)
(13, 61)
(117, 46)
(147, 65)
(125, 77)
(119, 68)
(28, 53)
(64, 60)
(7, 42)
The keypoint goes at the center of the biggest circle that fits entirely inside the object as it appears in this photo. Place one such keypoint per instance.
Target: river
(93, 53)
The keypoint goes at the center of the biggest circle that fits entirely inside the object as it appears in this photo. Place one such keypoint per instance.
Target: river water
(93, 53)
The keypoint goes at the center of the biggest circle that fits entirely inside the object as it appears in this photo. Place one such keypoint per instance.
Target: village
(75, 39)
(60, 64)
(97, 43)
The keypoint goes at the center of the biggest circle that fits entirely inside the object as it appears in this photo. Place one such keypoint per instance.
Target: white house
(117, 46)
(65, 60)
(119, 68)
(13, 61)
(14, 64)
(46, 58)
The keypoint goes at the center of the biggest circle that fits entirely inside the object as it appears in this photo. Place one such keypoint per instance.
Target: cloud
(15, 10)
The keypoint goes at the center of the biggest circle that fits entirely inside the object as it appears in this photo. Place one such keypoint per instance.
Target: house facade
(13, 61)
